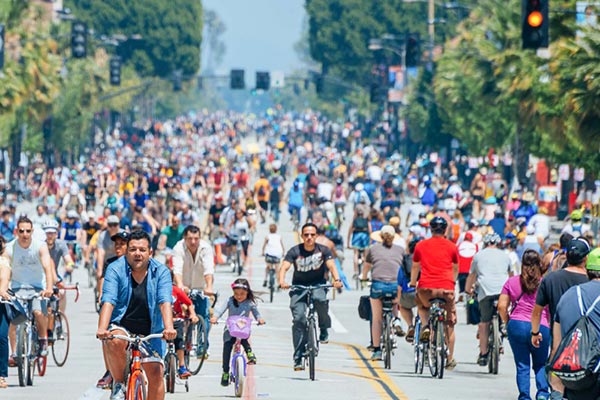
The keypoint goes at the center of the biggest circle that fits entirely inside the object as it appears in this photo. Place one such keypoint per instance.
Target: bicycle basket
(239, 326)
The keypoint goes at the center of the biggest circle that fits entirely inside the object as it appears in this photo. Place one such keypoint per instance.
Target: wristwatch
(535, 333)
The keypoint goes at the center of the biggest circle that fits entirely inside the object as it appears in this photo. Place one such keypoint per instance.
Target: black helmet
(438, 225)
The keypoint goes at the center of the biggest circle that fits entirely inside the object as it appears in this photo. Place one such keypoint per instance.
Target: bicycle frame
(387, 337)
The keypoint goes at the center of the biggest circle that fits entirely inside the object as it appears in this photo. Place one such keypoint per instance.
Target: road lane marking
(336, 324)
(382, 382)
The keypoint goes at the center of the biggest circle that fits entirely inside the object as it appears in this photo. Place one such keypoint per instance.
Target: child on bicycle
(241, 303)
(182, 308)
(273, 251)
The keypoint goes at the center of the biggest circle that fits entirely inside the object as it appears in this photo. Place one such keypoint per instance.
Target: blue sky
(260, 34)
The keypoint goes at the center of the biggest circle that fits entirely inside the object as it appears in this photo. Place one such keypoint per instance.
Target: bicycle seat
(437, 300)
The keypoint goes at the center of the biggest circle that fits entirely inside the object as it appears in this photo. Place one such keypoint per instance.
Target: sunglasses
(113, 225)
(309, 234)
(24, 230)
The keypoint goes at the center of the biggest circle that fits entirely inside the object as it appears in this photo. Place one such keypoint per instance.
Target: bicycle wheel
(62, 339)
(494, 347)
(22, 351)
(440, 349)
(40, 363)
(136, 387)
(387, 342)
(195, 348)
(31, 356)
(431, 353)
(96, 300)
(170, 371)
(240, 376)
(271, 283)
(312, 348)
(418, 351)
(91, 274)
(238, 261)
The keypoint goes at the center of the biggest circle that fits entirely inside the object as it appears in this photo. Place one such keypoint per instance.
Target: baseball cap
(468, 236)
(593, 260)
(91, 214)
(218, 197)
(395, 221)
(122, 234)
(388, 230)
(577, 250)
(112, 219)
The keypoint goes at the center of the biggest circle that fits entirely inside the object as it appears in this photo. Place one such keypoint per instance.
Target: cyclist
(576, 227)
(310, 260)
(170, 235)
(273, 251)
(359, 234)
(182, 309)
(194, 268)
(490, 268)
(89, 230)
(106, 248)
(71, 231)
(31, 270)
(4, 323)
(136, 299)
(58, 248)
(436, 259)
(262, 189)
(214, 213)
(241, 303)
(295, 200)
(384, 259)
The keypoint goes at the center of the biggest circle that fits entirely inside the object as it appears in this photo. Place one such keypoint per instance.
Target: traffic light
(177, 79)
(319, 84)
(377, 93)
(263, 80)
(78, 39)
(2, 46)
(413, 50)
(115, 71)
(535, 24)
(237, 79)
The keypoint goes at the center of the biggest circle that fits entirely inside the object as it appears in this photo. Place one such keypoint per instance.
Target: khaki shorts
(424, 296)
(408, 300)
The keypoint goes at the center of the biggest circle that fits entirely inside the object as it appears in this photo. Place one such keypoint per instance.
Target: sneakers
(424, 337)
(12, 360)
(376, 356)
(251, 357)
(118, 392)
(482, 360)
(397, 325)
(410, 335)
(43, 347)
(265, 283)
(324, 336)
(298, 365)
(451, 365)
(225, 379)
(183, 372)
(105, 382)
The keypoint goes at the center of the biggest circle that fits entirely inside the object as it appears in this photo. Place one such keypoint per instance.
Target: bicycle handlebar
(72, 287)
(311, 287)
(136, 338)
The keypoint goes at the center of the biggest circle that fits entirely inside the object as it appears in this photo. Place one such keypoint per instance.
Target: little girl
(241, 303)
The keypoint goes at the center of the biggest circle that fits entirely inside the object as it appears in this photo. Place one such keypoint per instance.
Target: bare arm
(556, 338)
(536, 316)
(470, 282)
(4, 280)
(337, 283)
(282, 271)
(503, 303)
(365, 272)
(414, 273)
(209, 283)
(264, 246)
(47, 266)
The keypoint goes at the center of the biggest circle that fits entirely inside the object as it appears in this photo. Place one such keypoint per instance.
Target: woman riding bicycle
(272, 251)
(359, 235)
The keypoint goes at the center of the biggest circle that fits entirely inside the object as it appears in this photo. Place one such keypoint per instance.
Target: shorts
(178, 324)
(425, 295)
(37, 304)
(379, 289)
(408, 300)
(486, 307)
(264, 205)
(462, 281)
(151, 352)
(360, 240)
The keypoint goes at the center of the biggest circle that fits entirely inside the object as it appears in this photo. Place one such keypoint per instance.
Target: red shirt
(436, 256)
(466, 252)
(179, 298)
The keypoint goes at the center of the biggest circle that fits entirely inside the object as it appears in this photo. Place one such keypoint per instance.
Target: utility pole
(431, 31)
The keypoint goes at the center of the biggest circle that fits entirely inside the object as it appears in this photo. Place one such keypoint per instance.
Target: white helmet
(50, 225)
(359, 187)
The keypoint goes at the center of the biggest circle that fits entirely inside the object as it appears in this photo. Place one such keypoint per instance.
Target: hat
(91, 214)
(577, 250)
(72, 214)
(394, 221)
(388, 230)
(122, 234)
(576, 215)
(469, 236)
(112, 219)
(218, 197)
(593, 260)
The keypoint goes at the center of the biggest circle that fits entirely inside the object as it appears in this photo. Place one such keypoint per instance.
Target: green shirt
(173, 235)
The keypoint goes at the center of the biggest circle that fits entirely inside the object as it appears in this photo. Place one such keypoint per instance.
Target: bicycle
(60, 338)
(196, 336)
(437, 348)
(339, 215)
(420, 349)
(239, 248)
(29, 355)
(171, 370)
(136, 380)
(239, 328)
(90, 267)
(495, 347)
(360, 262)
(271, 263)
(387, 334)
(312, 343)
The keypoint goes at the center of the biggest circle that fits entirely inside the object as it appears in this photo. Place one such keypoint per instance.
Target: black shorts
(486, 307)
(178, 324)
(264, 205)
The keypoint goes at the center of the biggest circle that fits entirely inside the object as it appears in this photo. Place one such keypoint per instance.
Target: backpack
(364, 308)
(261, 191)
(577, 359)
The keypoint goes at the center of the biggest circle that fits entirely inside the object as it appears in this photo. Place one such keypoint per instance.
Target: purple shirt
(524, 305)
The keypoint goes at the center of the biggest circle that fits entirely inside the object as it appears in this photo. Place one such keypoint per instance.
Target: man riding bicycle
(491, 267)
(436, 259)
(310, 260)
(136, 299)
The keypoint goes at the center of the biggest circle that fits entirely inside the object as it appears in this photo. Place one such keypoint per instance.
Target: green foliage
(171, 32)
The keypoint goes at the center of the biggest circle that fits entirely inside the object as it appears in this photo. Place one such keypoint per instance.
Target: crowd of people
(447, 227)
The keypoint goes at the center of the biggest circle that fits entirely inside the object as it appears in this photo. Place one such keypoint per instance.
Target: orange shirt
(264, 184)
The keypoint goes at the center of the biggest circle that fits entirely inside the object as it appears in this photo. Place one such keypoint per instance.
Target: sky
(260, 34)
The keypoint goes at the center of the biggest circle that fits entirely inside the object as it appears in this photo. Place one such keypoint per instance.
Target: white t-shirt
(274, 247)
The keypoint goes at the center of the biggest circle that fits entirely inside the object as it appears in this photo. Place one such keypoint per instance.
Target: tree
(171, 32)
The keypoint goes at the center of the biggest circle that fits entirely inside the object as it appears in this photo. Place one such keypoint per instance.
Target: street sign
(564, 172)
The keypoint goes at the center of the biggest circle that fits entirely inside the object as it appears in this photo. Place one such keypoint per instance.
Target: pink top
(522, 307)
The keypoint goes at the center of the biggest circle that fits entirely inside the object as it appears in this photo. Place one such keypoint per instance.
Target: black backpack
(577, 359)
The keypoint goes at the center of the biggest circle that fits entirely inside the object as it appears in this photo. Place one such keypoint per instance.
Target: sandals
(3, 382)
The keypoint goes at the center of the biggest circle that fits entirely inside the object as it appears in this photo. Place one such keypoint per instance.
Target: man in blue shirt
(136, 299)
(7, 226)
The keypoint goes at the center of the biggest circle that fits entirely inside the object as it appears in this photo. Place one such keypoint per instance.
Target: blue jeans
(201, 306)
(3, 342)
(519, 337)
